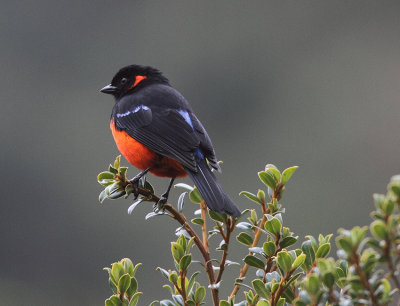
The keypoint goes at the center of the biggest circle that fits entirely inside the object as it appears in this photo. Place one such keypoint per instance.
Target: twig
(257, 237)
(275, 297)
(230, 225)
(203, 207)
(363, 278)
(183, 222)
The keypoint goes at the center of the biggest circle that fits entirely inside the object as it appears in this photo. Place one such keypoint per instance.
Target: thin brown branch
(363, 278)
(282, 287)
(203, 207)
(183, 290)
(230, 225)
(183, 222)
(257, 236)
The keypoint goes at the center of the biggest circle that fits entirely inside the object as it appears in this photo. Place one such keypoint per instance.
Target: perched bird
(156, 130)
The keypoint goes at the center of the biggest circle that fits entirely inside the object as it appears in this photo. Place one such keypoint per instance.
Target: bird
(156, 130)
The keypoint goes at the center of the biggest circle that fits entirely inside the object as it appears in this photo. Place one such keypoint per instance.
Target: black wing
(161, 126)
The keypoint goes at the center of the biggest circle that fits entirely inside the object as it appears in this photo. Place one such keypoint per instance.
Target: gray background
(308, 83)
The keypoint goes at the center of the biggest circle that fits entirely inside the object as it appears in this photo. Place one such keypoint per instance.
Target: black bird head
(133, 77)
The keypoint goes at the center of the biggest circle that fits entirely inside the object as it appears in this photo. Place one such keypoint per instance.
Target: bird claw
(135, 185)
(160, 205)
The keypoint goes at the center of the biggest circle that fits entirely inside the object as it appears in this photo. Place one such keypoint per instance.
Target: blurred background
(308, 83)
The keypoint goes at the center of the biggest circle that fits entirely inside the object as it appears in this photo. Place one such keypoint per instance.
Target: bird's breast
(142, 157)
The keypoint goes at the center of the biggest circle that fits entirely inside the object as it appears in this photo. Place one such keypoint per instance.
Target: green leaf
(307, 249)
(135, 269)
(122, 171)
(313, 284)
(112, 170)
(269, 248)
(127, 265)
(284, 261)
(195, 196)
(117, 162)
(133, 205)
(177, 251)
(102, 196)
(344, 244)
(184, 186)
(178, 300)
(135, 299)
(216, 216)
(275, 172)
(273, 226)
(105, 175)
(112, 286)
(181, 202)
(148, 187)
(222, 246)
(199, 294)
(197, 221)
(299, 261)
(263, 303)
(133, 287)
(281, 302)
(113, 301)
(323, 250)
(257, 250)
(287, 173)
(379, 199)
(254, 262)
(164, 272)
(191, 281)
(224, 303)
(128, 190)
(173, 277)
(328, 279)
(189, 245)
(261, 195)
(250, 196)
(287, 241)
(185, 262)
(117, 270)
(293, 278)
(182, 241)
(244, 238)
(378, 229)
(388, 207)
(260, 288)
(268, 179)
(124, 283)
(115, 193)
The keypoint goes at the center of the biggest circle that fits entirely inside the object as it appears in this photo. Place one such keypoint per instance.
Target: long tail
(211, 190)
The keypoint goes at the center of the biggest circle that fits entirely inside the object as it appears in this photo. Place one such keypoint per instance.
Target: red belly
(142, 157)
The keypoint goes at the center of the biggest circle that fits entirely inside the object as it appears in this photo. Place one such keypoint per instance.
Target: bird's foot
(135, 182)
(135, 185)
(160, 205)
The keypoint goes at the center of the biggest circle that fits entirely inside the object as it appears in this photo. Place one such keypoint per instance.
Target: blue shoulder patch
(186, 116)
(137, 108)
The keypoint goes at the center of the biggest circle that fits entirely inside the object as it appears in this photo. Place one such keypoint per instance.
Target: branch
(257, 237)
(203, 207)
(183, 222)
(363, 278)
(230, 226)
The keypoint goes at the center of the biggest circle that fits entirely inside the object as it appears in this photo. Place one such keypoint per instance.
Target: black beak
(109, 89)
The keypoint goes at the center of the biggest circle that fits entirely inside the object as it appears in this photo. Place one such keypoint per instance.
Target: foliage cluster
(278, 268)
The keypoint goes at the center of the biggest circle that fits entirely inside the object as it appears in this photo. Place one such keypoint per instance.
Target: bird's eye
(124, 80)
